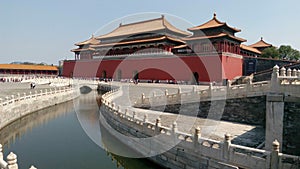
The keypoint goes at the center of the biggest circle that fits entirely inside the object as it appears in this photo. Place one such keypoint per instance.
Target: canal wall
(15, 107)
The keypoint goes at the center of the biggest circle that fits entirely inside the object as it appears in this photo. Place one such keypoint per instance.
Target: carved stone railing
(14, 99)
(285, 81)
(282, 81)
(11, 161)
(16, 106)
(212, 93)
(194, 144)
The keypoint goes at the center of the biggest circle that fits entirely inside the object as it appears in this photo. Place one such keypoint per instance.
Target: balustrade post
(19, 96)
(174, 132)
(118, 109)
(12, 161)
(194, 89)
(142, 98)
(228, 84)
(197, 136)
(298, 73)
(274, 79)
(145, 121)
(166, 92)
(24, 94)
(133, 115)
(157, 126)
(226, 147)
(274, 159)
(125, 113)
(12, 98)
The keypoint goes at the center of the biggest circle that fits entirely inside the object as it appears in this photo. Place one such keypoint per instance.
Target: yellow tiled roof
(28, 67)
(245, 47)
(213, 23)
(91, 41)
(261, 44)
(143, 27)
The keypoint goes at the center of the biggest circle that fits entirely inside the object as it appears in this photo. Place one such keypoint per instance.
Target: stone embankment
(189, 150)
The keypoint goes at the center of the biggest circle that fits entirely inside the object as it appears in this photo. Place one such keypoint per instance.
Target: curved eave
(82, 50)
(215, 36)
(139, 41)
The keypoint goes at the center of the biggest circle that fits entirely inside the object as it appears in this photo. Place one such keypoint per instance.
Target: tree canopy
(270, 52)
(287, 52)
(283, 52)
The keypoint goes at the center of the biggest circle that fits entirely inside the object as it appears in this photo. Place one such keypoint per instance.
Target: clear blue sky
(45, 31)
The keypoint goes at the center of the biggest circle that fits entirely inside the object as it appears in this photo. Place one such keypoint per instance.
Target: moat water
(56, 137)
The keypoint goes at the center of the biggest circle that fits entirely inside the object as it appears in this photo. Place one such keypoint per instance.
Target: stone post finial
(276, 145)
(174, 127)
(133, 114)
(32, 167)
(197, 136)
(166, 92)
(274, 160)
(157, 126)
(294, 73)
(282, 71)
(178, 91)
(227, 137)
(298, 73)
(197, 133)
(158, 120)
(12, 161)
(276, 69)
(289, 72)
(226, 146)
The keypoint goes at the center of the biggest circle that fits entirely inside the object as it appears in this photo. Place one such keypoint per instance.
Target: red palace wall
(209, 68)
(232, 66)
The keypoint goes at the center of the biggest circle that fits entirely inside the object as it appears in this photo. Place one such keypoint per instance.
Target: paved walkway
(242, 134)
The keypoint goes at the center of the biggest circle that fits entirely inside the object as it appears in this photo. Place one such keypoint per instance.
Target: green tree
(287, 52)
(270, 52)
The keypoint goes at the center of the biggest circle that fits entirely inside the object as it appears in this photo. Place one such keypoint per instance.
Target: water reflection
(59, 137)
(15, 130)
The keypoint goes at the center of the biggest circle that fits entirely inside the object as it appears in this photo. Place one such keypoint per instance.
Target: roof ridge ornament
(162, 16)
(120, 24)
(261, 38)
(215, 15)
